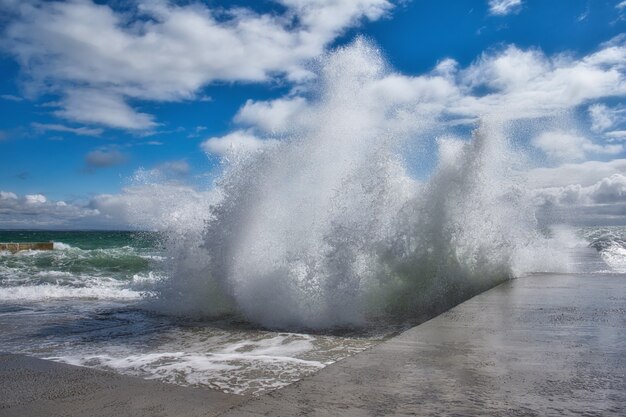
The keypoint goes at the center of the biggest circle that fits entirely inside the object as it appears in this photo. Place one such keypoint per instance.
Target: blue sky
(92, 92)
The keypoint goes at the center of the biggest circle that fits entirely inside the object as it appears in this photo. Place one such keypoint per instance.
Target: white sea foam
(55, 292)
(61, 246)
(244, 366)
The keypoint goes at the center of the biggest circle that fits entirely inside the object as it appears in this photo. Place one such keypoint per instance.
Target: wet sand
(31, 387)
(539, 345)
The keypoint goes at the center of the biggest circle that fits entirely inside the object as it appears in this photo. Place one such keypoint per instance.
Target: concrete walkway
(540, 345)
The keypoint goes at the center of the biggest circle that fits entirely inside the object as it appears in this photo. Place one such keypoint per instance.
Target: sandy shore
(540, 345)
(31, 387)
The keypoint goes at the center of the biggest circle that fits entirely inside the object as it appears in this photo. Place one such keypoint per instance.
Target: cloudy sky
(100, 98)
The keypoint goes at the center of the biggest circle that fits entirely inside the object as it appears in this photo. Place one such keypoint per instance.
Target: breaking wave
(329, 228)
(70, 272)
(610, 242)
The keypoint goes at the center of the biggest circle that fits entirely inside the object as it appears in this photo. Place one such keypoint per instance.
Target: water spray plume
(328, 229)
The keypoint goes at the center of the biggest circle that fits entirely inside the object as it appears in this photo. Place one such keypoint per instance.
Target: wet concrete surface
(539, 345)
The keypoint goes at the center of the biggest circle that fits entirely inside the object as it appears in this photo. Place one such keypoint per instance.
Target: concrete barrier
(16, 247)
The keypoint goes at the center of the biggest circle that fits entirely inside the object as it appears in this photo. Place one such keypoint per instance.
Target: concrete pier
(16, 247)
(536, 346)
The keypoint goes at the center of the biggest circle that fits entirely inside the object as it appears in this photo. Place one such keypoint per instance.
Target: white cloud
(81, 131)
(520, 84)
(237, 142)
(584, 173)
(569, 146)
(504, 7)
(37, 211)
(621, 5)
(617, 134)
(35, 199)
(6, 195)
(604, 118)
(529, 84)
(147, 206)
(271, 116)
(607, 190)
(162, 51)
(601, 117)
(102, 108)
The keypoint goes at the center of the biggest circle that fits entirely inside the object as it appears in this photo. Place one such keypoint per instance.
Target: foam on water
(610, 242)
(249, 366)
(55, 292)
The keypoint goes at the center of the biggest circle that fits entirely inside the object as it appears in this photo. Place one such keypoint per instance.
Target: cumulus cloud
(529, 84)
(7, 195)
(272, 116)
(81, 131)
(568, 146)
(103, 158)
(148, 206)
(510, 84)
(97, 58)
(608, 190)
(37, 211)
(601, 118)
(604, 118)
(584, 173)
(504, 7)
(617, 134)
(601, 202)
(239, 141)
(35, 199)
(103, 108)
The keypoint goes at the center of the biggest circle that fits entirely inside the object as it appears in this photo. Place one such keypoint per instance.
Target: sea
(88, 303)
(84, 303)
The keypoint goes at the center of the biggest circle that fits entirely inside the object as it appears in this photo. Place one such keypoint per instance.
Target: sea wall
(16, 247)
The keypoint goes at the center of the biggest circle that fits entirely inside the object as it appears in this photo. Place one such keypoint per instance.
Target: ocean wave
(120, 263)
(61, 246)
(610, 242)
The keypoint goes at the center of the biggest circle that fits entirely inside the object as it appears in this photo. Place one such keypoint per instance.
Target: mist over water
(327, 228)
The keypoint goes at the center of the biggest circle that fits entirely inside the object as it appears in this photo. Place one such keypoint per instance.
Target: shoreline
(537, 345)
(36, 387)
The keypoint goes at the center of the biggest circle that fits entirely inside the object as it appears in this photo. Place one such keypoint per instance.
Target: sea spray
(326, 228)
